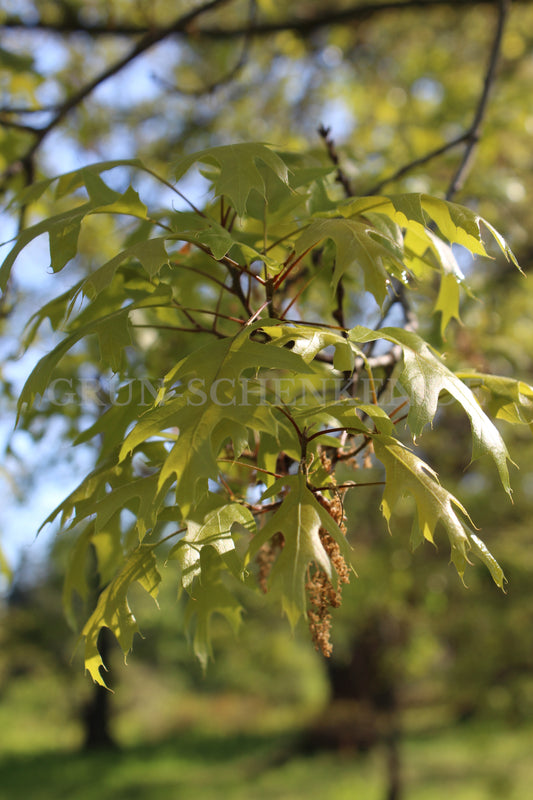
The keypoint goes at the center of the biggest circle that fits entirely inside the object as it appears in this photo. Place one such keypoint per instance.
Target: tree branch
(145, 43)
(360, 12)
(148, 40)
(474, 132)
(340, 177)
(217, 84)
(471, 136)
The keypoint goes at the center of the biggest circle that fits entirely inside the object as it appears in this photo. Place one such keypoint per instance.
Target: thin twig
(471, 136)
(147, 41)
(301, 291)
(22, 110)
(229, 76)
(335, 486)
(186, 310)
(340, 177)
(169, 536)
(417, 162)
(327, 431)
(474, 132)
(303, 25)
(251, 466)
(359, 12)
(204, 274)
(180, 329)
(19, 126)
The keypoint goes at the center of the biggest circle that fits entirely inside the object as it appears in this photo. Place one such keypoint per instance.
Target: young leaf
(299, 518)
(357, 243)
(209, 596)
(238, 173)
(211, 397)
(508, 399)
(413, 211)
(424, 377)
(151, 253)
(113, 611)
(214, 531)
(408, 474)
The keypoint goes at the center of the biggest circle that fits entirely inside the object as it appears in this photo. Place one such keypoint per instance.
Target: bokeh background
(430, 686)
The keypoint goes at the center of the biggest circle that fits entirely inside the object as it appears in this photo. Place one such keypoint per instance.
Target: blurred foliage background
(430, 686)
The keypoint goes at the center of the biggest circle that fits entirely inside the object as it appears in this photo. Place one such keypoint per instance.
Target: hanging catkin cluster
(321, 593)
(265, 558)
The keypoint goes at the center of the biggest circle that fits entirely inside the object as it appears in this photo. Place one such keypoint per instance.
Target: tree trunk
(394, 778)
(363, 712)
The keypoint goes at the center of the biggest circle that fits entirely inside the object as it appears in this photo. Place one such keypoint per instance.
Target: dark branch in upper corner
(360, 12)
(230, 75)
(148, 40)
(472, 135)
(474, 132)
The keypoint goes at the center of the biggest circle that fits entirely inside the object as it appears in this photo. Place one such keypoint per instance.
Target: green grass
(473, 762)
(190, 746)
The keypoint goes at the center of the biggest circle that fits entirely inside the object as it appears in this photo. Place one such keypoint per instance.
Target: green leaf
(60, 244)
(299, 518)
(113, 611)
(458, 224)
(214, 531)
(128, 203)
(346, 413)
(109, 550)
(139, 494)
(238, 173)
(113, 332)
(408, 474)
(151, 253)
(98, 190)
(211, 398)
(508, 399)
(68, 182)
(482, 552)
(64, 241)
(76, 574)
(63, 229)
(56, 311)
(91, 488)
(308, 341)
(210, 596)
(424, 377)
(448, 301)
(357, 244)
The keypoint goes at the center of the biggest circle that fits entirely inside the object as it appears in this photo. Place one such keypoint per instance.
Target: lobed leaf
(357, 244)
(113, 611)
(210, 596)
(408, 474)
(424, 377)
(299, 518)
(238, 172)
(211, 530)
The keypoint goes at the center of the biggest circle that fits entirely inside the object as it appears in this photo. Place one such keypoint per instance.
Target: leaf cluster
(269, 383)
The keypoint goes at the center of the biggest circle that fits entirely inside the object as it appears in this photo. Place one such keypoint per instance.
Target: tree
(286, 269)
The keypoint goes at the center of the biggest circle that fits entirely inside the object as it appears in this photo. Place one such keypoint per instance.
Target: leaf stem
(251, 466)
(334, 486)
(170, 536)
